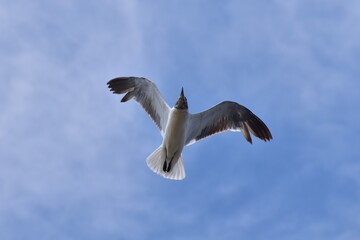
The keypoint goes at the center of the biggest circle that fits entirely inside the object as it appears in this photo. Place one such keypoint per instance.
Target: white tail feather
(156, 162)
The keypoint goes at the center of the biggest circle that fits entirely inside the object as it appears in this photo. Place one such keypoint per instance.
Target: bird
(180, 128)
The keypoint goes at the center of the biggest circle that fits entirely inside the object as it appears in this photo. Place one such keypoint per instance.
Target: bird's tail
(156, 162)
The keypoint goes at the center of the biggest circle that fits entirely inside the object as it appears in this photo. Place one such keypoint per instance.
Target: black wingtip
(258, 128)
(110, 85)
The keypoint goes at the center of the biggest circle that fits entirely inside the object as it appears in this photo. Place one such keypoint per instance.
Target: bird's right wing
(226, 116)
(146, 93)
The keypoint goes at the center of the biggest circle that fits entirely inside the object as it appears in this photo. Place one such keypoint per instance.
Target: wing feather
(144, 92)
(226, 116)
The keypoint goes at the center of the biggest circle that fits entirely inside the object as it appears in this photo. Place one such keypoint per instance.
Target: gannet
(180, 128)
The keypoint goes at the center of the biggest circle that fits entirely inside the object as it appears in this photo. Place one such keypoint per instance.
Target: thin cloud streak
(71, 162)
(59, 158)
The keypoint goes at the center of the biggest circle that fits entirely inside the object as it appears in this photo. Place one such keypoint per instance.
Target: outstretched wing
(146, 93)
(226, 116)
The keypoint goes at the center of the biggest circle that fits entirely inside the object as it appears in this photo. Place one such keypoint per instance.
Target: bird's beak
(182, 93)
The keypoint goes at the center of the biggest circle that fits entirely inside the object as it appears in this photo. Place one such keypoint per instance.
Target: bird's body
(180, 128)
(175, 133)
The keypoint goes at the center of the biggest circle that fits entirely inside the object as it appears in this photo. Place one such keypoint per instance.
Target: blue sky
(73, 158)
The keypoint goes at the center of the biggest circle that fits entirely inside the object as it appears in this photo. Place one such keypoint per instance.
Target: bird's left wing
(146, 93)
(226, 116)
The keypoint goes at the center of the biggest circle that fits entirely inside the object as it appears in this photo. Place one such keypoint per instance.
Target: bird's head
(182, 101)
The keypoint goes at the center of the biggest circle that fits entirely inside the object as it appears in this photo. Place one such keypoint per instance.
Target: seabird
(180, 128)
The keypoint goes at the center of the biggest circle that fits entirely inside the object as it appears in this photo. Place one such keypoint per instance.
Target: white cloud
(71, 163)
(64, 140)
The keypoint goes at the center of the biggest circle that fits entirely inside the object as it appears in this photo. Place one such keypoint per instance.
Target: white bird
(180, 128)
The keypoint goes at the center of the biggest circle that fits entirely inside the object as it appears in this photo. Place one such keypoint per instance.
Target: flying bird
(180, 128)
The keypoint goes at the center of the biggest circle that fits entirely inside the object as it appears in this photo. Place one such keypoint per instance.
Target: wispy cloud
(64, 163)
(72, 157)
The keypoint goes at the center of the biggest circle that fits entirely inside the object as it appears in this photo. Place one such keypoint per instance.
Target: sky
(72, 157)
